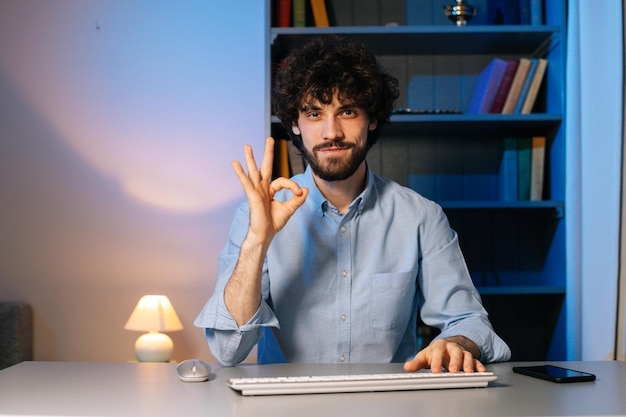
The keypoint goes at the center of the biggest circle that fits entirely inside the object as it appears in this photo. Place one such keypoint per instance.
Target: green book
(299, 13)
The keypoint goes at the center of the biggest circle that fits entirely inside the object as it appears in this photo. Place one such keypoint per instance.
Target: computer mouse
(193, 370)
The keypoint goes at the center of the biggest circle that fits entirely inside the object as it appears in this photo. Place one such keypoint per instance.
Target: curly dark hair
(327, 65)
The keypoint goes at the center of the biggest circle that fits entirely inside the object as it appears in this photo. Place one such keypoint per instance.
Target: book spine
(505, 86)
(538, 156)
(508, 170)
(523, 168)
(486, 87)
(533, 90)
(299, 13)
(281, 159)
(526, 86)
(320, 15)
(516, 86)
(283, 14)
(536, 12)
(524, 12)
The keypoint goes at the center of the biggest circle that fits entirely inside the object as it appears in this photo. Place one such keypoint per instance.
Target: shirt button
(342, 358)
(343, 317)
(343, 229)
(344, 273)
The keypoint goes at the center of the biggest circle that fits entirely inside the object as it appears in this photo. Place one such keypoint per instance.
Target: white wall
(118, 122)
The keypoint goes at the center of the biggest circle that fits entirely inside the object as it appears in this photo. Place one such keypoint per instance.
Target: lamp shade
(154, 313)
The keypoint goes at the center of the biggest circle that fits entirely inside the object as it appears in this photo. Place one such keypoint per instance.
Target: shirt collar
(317, 199)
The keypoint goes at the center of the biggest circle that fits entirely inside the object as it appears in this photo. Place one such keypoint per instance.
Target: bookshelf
(515, 250)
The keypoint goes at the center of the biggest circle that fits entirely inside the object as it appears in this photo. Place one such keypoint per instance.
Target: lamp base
(154, 347)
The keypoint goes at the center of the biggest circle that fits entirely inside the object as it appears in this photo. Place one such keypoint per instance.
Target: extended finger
(246, 184)
(268, 159)
(253, 170)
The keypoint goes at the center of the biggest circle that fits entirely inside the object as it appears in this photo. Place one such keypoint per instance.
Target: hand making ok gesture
(267, 216)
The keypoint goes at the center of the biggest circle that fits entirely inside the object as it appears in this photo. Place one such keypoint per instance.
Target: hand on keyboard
(455, 354)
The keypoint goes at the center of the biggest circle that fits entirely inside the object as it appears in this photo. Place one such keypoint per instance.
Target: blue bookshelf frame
(516, 250)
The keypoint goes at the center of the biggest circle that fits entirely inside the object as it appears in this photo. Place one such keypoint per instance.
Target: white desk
(133, 389)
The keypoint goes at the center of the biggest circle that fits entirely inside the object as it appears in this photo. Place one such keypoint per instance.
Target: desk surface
(153, 389)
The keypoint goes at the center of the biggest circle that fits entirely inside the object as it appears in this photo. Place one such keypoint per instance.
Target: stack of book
(298, 13)
(508, 86)
(511, 87)
(522, 169)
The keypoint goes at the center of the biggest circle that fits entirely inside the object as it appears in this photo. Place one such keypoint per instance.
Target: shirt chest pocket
(391, 299)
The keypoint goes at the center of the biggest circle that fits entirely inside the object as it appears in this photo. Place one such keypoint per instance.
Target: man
(338, 261)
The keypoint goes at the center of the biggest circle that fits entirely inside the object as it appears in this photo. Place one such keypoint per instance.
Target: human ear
(373, 124)
(295, 129)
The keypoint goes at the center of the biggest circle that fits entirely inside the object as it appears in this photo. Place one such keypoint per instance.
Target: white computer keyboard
(359, 383)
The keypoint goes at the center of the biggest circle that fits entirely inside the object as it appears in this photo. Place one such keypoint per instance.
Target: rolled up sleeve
(230, 344)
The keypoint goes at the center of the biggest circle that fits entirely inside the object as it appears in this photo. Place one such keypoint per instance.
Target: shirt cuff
(216, 316)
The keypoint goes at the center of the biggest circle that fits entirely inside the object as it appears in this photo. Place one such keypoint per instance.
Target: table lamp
(154, 314)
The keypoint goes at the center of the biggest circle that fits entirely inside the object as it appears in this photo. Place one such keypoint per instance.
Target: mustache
(333, 144)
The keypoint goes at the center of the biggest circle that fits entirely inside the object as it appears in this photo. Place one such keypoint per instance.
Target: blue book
(524, 158)
(508, 170)
(486, 88)
(536, 12)
(529, 78)
(524, 12)
(503, 12)
(505, 86)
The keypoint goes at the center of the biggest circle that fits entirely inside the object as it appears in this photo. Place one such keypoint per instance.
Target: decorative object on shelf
(154, 314)
(460, 12)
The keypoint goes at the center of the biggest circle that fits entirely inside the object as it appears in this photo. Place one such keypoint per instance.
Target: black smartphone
(554, 373)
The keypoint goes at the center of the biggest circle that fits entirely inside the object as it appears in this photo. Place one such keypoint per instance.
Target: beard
(335, 169)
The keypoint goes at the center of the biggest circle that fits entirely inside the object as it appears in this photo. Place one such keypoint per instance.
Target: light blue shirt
(348, 288)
